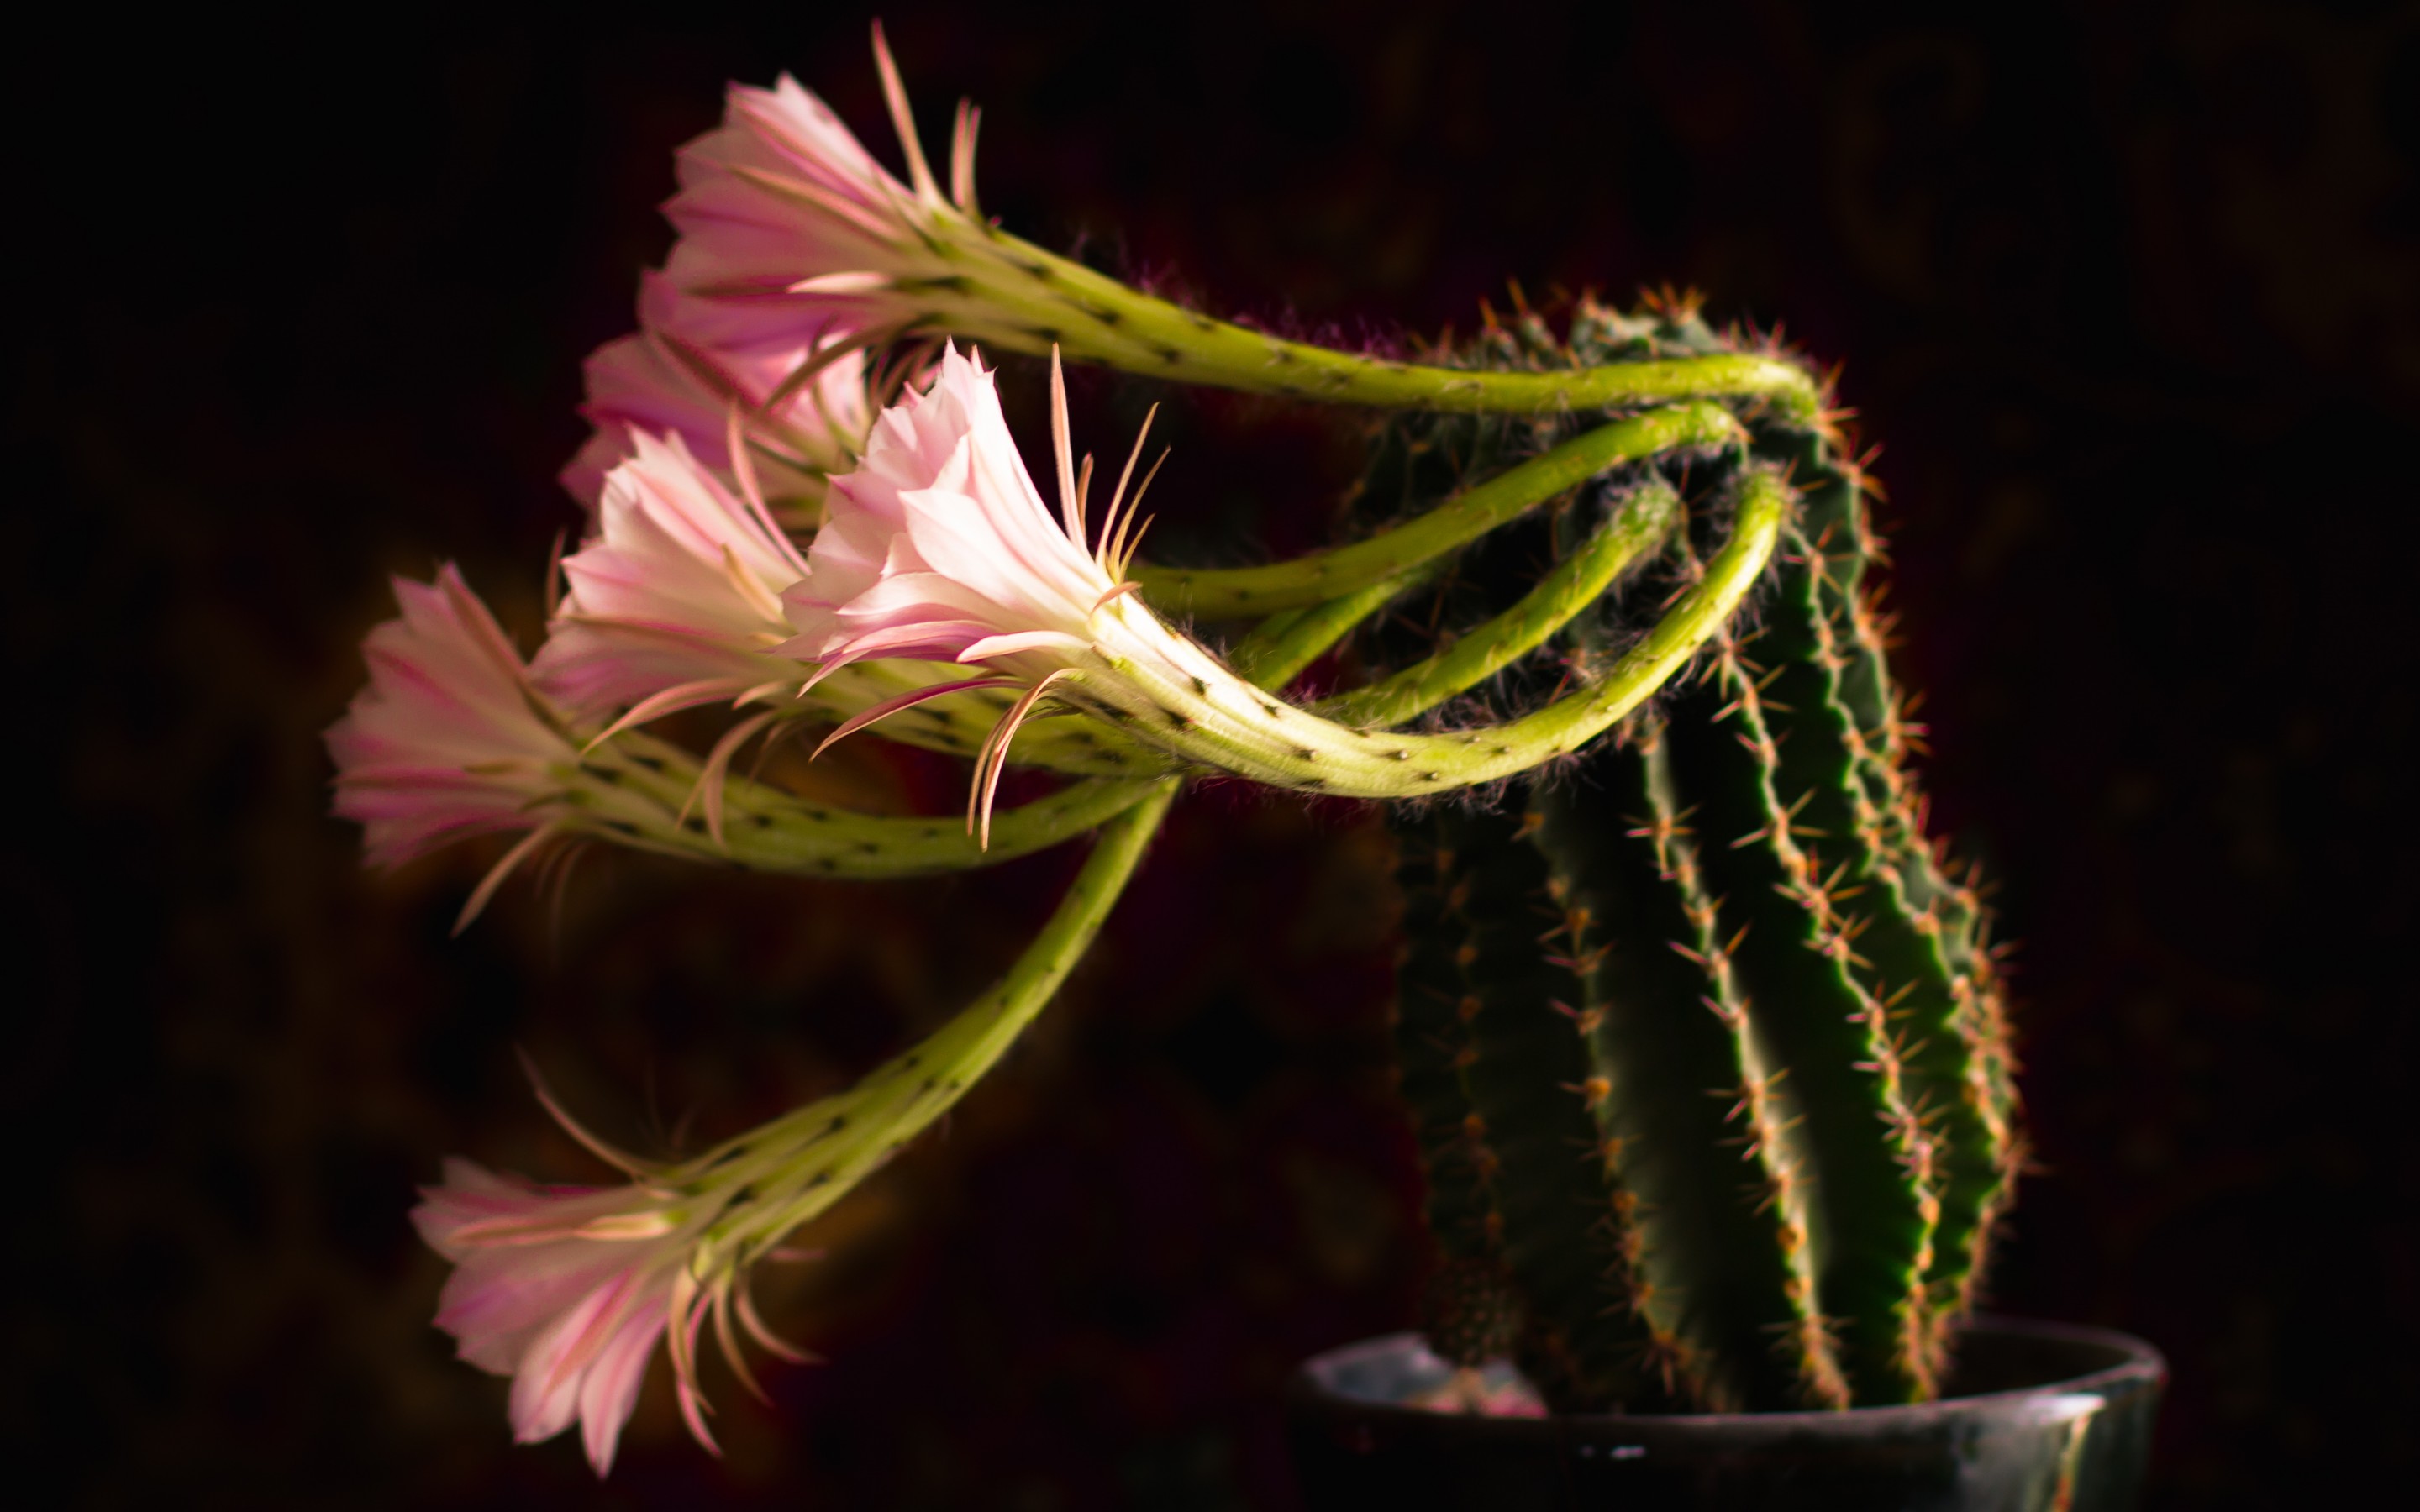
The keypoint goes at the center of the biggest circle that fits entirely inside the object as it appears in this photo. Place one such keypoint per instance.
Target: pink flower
(675, 600)
(792, 239)
(448, 739)
(670, 376)
(564, 1288)
(938, 548)
(567, 1289)
(790, 230)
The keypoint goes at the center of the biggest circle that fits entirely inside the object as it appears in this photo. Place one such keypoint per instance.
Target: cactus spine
(1702, 1041)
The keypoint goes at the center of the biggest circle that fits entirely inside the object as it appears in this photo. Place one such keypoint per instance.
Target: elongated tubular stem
(800, 1163)
(985, 284)
(1327, 575)
(1272, 655)
(957, 724)
(1205, 714)
(1276, 650)
(630, 791)
(1569, 587)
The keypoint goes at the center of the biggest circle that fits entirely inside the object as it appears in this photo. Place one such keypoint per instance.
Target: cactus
(1700, 1034)
(1702, 1042)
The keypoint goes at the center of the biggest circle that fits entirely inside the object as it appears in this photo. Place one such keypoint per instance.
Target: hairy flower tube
(940, 548)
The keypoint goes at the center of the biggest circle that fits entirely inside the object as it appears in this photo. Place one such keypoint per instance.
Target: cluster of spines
(1753, 917)
(1525, 1188)
(1934, 935)
(1695, 1117)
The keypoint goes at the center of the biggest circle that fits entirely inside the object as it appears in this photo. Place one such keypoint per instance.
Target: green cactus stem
(1224, 594)
(1214, 720)
(1781, 1010)
(1719, 1259)
(1898, 955)
(1568, 589)
(1847, 1127)
(794, 1169)
(1501, 1086)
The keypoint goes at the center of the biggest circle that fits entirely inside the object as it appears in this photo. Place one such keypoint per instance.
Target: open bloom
(672, 376)
(448, 739)
(791, 232)
(938, 548)
(564, 1288)
(675, 600)
(795, 242)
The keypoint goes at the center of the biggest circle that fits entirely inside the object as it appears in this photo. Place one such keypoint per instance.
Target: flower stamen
(994, 757)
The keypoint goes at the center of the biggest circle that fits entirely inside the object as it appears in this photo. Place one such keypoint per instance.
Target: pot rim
(2141, 1363)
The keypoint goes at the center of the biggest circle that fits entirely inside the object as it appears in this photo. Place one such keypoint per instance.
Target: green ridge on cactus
(1522, 1084)
(1718, 1265)
(1776, 1035)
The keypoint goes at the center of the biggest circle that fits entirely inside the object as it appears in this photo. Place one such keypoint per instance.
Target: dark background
(2130, 292)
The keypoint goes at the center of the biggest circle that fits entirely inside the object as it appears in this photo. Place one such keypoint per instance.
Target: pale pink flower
(672, 376)
(675, 600)
(938, 548)
(793, 242)
(449, 740)
(566, 1289)
(790, 230)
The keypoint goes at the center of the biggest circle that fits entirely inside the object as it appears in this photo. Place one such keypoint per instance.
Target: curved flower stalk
(670, 376)
(674, 602)
(940, 548)
(1223, 592)
(569, 1289)
(793, 231)
(452, 739)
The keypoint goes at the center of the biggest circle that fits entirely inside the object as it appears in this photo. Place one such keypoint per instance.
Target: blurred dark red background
(2130, 293)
